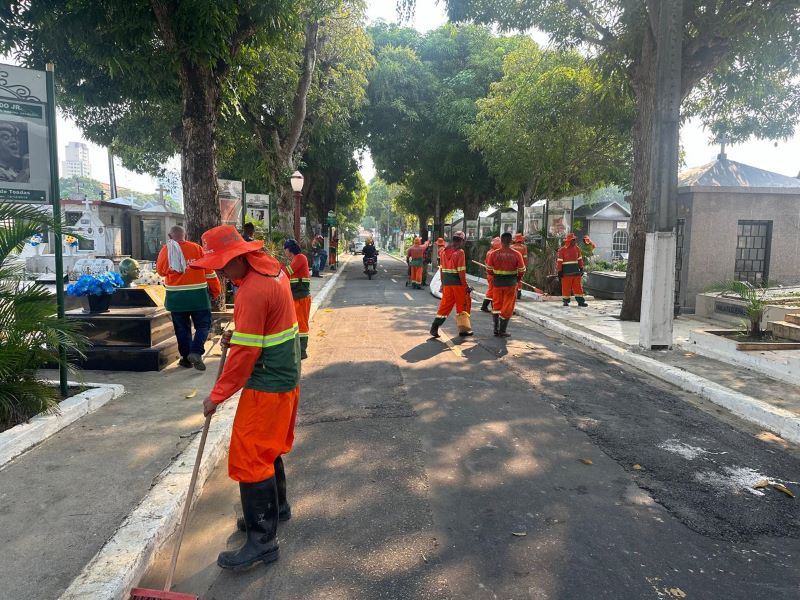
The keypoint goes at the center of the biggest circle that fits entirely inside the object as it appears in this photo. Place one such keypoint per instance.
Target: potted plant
(96, 290)
(754, 298)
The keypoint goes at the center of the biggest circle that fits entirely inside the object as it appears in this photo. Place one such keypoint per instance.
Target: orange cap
(459, 235)
(441, 242)
(496, 243)
(570, 237)
(520, 237)
(221, 245)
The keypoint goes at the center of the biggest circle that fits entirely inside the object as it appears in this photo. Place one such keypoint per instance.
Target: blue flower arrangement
(96, 285)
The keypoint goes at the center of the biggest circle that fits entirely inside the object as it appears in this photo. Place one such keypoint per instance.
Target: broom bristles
(145, 594)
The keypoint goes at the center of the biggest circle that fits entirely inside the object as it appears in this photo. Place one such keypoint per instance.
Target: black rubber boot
(260, 508)
(566, 301)
(485, 305)
(503, 327)
(496, 324)
(581, 301)
(284, 508)
(519, 294)
(437, 322)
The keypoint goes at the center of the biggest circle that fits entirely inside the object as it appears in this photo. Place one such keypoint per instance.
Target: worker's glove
(225, 340)
(581, 272)
(560, 274)
(469, 290)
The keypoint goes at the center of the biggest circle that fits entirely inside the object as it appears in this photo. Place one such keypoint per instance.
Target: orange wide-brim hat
(221, 245)
(519, 238)
(459, 235)
(441, 242)
(569, 238)
(496, 243)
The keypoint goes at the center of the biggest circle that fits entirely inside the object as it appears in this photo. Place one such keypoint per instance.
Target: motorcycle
(371, 266)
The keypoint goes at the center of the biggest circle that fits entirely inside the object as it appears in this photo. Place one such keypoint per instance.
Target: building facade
(76, 160)
(736, 222)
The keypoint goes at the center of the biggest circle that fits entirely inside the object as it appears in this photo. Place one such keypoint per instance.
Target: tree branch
(607, 37)
(300, 101)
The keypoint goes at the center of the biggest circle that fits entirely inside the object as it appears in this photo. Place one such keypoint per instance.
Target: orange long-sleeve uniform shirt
(507, 267)
(188, 291)
(569, 261)
(454, 284)
(264, 359)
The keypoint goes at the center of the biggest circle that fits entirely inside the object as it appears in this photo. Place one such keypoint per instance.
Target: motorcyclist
(370, 251)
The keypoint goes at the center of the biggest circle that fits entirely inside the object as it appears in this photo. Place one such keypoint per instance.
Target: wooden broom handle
(187, 505)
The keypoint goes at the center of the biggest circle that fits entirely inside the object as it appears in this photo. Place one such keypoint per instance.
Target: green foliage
(552, 126)
(422, 97)
(29, 329)
(755, 298)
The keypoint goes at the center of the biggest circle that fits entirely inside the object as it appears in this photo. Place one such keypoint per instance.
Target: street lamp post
(297, 188)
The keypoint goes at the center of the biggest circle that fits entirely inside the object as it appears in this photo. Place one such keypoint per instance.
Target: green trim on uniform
(504, 280)
(301, 288)
(417, 262)
(451, 279)
(570, 268)
(278, 368)
(187, 298)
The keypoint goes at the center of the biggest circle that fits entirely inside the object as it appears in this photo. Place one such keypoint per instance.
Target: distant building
(735, 222)
(76, 160)
(607, 224)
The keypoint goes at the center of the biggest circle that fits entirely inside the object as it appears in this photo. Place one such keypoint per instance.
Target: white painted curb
(23, 437)
(318, 300)
(777, 420)
(125, 558)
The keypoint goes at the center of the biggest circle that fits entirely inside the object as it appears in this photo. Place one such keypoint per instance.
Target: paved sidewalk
(599, 322)
(63, 499)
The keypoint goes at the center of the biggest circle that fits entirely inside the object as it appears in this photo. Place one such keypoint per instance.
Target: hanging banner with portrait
(24, 150)
(230, 201)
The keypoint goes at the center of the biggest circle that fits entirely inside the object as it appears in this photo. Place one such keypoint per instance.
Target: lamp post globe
(297, 187)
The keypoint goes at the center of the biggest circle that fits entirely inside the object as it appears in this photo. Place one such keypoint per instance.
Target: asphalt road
(435, 469)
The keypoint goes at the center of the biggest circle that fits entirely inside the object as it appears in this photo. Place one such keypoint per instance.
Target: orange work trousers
(504, 301)
(571, 285)
(490, 288)
(416, 275)
(302, 306)
(454, 296)
(263, 430)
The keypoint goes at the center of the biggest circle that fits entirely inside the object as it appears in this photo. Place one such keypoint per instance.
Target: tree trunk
(423, 226)
(644, 84)
(201, 104)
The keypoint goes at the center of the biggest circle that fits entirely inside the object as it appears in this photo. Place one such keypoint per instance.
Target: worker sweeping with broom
(263, 362)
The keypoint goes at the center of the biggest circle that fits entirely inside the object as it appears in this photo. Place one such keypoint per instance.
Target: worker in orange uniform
(416, 260)
(187, 296)
(440, 246)
(263, 362)
(495, 244)
(520, 246)
(455, 291)
(300, 282)
(507, 268)
(569, 267)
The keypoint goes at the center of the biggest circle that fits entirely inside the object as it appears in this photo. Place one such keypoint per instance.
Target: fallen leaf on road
(328, 310)
(784, 489)
(587, 461)
(761, 484)
(677, 593)
(637, 467)
(192, 394)
(519, 533)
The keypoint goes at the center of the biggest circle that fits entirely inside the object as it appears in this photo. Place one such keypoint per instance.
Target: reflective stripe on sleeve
(186, 288)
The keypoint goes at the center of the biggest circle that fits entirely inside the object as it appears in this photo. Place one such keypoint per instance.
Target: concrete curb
(125, 558)
(318, 300)
(777, 420)
(23, 437)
